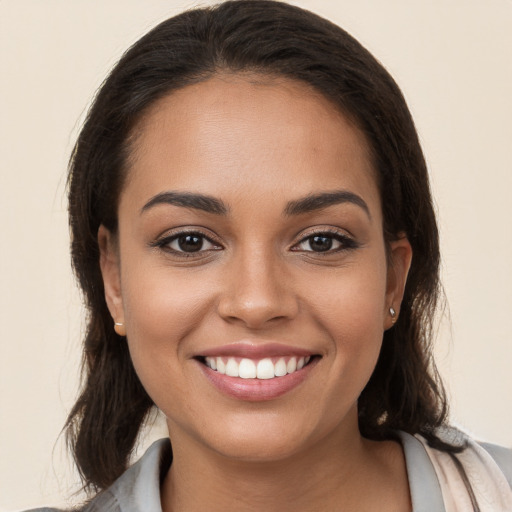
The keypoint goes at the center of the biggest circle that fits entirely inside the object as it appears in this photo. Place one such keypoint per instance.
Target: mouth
(256, 372)
(263, 369)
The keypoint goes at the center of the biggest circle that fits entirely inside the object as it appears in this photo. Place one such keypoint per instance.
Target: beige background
(453, 62)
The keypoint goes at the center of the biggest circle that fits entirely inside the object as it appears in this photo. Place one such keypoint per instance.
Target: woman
(254, 235)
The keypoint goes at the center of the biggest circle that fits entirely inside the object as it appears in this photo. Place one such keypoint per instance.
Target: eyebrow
(322, 200)
(188, 200)
(209, 204)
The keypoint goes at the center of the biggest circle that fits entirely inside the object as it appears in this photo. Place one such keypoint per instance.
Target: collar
(426, 495)
(138, 488)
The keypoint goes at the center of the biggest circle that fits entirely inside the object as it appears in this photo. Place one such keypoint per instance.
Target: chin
(260, 447)
(264, 437)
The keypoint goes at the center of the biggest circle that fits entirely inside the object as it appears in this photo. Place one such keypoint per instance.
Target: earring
(119, 328)
(392, 312)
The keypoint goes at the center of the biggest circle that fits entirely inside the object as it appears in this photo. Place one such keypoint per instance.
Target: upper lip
(253, 350)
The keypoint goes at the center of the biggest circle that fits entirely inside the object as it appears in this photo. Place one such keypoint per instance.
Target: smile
(263, 369)
(255, 372)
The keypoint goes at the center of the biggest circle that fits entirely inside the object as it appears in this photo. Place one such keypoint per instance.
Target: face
(250, 268)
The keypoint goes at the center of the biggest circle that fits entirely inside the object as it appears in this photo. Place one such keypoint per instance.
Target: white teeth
(292, 365)
(232, 368)
(247, 369)
(280, 368)
(265, 369)
(262, 369)
(221, 367)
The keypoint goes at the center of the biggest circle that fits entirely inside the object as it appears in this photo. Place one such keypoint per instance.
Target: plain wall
(453, 62)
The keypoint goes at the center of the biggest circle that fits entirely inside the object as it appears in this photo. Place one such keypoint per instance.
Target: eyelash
(345, 241)
(165, 243)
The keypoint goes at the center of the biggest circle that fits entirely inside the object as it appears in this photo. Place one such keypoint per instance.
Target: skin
(256, 144)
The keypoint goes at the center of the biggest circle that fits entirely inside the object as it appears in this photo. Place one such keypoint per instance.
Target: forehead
(254, 135)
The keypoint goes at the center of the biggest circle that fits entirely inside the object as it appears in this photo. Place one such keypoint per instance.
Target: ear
(110, 271)
(400, 258)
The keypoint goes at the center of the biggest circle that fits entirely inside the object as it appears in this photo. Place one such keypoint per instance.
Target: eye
(325, 242)
(187, 243)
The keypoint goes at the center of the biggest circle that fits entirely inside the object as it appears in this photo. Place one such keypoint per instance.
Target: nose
(258, 291)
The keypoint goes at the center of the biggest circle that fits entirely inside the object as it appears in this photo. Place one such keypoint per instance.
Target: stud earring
(119, 328)
(392, 312)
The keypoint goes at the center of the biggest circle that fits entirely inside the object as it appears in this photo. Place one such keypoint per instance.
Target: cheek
(351, 299)
(157, 305)
(162, 309)
(349, 308)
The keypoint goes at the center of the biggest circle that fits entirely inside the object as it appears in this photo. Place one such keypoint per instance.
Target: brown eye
(187, 243)
(320, 243)
(190, 243)
(326, 242)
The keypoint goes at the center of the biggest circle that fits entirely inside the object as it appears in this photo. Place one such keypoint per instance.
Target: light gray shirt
(138, 488)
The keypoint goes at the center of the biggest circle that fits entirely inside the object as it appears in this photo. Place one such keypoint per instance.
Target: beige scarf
(488, 491)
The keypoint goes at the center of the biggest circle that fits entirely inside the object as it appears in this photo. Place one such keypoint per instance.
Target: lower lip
(257, 390)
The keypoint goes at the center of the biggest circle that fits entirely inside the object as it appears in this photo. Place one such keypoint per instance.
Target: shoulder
(138, 488)
(480, 455)
(440, 479)
(44, 509)
(502, 457)
(478, 475)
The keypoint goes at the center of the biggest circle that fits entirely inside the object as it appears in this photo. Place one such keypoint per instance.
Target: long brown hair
(404, 392)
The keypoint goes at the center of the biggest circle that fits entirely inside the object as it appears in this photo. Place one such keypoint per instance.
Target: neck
(333, 473)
